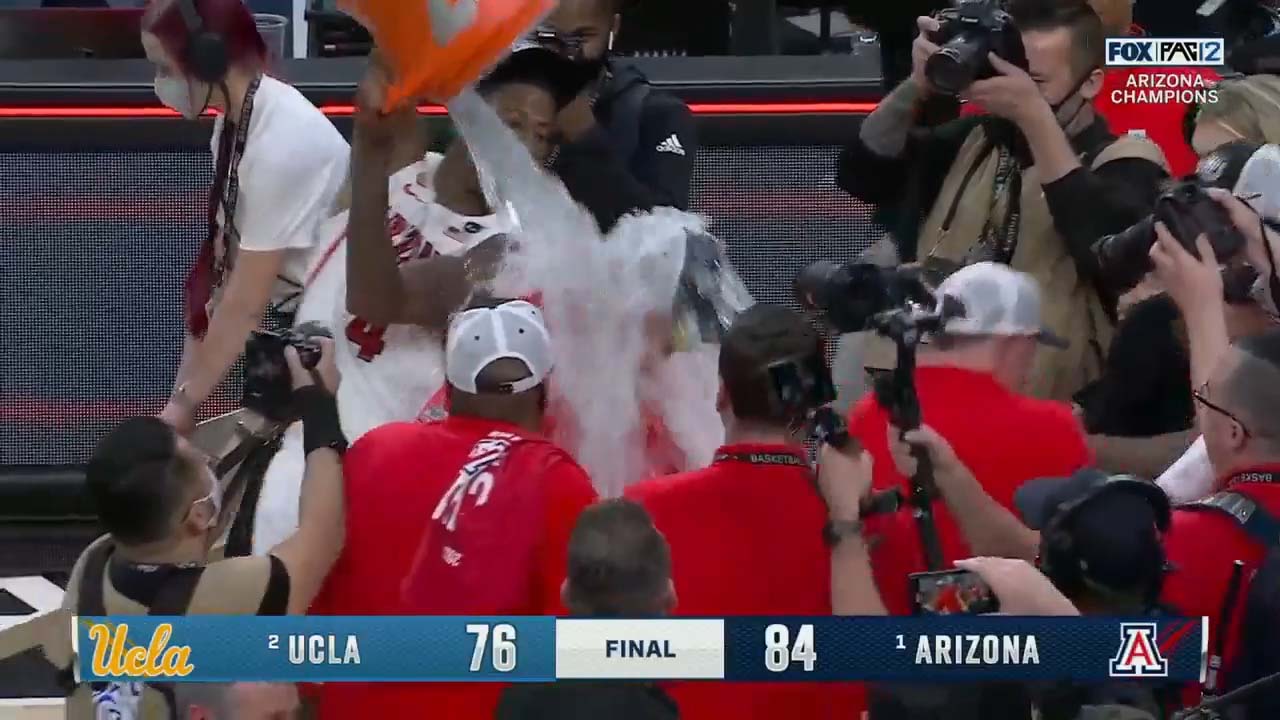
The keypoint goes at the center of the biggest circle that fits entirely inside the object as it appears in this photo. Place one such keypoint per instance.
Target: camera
(268, 388)
(852, 295)
(1188, 211)
(897, 304)
(803, 391)
(967, 34)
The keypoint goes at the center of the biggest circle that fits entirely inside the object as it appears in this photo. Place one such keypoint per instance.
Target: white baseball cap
(480, 336)
(1259, 182)
(997, 301)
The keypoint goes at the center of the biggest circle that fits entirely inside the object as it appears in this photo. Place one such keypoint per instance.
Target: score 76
(778, 646)
(504, 646)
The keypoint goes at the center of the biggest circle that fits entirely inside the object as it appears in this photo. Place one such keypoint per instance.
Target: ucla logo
(1152, 52)
(1139, 655)
(115, 656)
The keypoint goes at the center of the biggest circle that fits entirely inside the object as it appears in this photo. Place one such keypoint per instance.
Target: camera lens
(813, 285)
(955, 66)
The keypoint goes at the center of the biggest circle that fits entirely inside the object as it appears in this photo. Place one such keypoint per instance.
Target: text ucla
(111, 657)
(323, 650)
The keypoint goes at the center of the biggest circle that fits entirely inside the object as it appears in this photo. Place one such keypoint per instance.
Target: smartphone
(951, 592)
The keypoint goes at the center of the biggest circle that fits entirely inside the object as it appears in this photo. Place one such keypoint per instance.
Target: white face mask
(175, 93)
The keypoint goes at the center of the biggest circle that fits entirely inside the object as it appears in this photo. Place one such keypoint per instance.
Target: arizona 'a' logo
(1139, 654)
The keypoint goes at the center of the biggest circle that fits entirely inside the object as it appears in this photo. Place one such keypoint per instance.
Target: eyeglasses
(1201, 396)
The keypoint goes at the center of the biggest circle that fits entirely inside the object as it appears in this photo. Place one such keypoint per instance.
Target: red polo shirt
(513, 544)
(746, 539)
(1004, 438)
(1202, 547)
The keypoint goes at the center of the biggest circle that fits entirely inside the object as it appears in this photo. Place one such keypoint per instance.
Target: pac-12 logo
(1139, 655)
(1150, 52)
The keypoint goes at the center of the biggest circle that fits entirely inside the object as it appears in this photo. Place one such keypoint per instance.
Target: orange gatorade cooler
(438, 47)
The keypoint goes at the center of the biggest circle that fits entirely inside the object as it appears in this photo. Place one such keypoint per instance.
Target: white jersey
(388, 374)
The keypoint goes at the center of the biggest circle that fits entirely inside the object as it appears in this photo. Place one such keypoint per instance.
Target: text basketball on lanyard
(438, 47)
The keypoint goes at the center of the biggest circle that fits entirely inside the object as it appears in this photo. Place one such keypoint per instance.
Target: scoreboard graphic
(546, 649)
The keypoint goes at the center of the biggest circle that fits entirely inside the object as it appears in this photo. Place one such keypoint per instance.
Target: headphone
(1058, 558)
(206, 56)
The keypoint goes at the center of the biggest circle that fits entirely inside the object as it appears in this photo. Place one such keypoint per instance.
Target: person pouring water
(279, 165)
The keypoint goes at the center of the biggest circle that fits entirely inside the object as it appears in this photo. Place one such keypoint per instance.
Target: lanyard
(1263, 477)
(764, 458)
(226, 186)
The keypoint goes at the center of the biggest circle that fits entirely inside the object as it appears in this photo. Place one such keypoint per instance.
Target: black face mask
(1073, 93)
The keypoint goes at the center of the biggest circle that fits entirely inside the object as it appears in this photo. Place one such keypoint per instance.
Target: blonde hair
(1248, 106)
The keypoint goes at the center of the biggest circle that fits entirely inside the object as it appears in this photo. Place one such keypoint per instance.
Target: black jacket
(586, 701)
(640, 154)
(1085, 205)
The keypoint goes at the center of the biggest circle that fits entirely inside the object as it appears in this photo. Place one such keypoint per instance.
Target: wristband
(836, 531)
(321, 428)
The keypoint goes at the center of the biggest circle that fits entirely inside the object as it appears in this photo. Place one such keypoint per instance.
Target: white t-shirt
(294, 165)
(389, 374)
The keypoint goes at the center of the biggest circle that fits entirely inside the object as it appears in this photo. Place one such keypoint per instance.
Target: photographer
(1139, 413)
(624, 146)
(734, 549)
(967, 383)
(964, 192)
(1216, 546)
(162, 508)
(1246, 312)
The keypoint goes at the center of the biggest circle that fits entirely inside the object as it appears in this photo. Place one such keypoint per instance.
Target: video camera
(897, 304)
(967, 34)
(268, 388)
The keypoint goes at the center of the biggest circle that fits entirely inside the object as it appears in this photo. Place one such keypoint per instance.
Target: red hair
(230, 19)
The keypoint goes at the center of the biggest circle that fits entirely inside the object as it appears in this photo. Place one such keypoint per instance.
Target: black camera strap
(207, 273)
(228, 195)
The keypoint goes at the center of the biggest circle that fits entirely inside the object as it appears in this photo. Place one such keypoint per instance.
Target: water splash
(611, 303)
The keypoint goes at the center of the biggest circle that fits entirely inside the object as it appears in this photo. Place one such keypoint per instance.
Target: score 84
(504, 647)
(780, 652)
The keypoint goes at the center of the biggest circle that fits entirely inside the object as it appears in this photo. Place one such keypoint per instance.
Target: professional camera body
(852, 296)
(1188, 211)
(967, 34)
(896, 303)
(268, 388)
